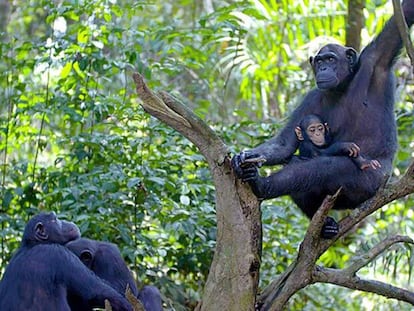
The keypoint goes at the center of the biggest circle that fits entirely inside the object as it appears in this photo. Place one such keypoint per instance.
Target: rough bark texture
(234, 273)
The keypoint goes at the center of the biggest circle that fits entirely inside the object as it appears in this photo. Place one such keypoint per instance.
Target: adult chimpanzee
(355, 95)
(315, 140)
(43, 271)
(106, 261)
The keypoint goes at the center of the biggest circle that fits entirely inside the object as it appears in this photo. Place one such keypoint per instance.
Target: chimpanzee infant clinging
(315, 140)
(43, 271)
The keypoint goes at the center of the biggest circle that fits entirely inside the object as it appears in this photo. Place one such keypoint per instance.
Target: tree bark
(234, 273)
(355, 23)
(4, 17)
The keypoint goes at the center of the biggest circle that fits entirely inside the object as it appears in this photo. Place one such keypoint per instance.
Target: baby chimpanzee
(315, 140)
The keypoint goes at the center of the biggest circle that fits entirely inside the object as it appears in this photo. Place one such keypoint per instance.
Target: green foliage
(74, 140)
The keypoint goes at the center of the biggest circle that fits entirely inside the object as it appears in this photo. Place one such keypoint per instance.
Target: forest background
(74, 139)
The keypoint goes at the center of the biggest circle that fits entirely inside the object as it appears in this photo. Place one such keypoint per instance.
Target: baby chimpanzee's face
(316, 133)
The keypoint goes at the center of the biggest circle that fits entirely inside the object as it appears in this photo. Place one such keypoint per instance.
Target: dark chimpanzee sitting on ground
(43, 271)
(106, 261)
(315, 140)
(355, 95)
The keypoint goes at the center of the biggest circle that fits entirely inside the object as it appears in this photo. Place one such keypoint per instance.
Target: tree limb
(313, 234)
(298, 274)
(234, 273)
(172, 112)
(301, 272)
(336, 277)
(403, 29)
(155, 105)
(347, 278)
(360, 261)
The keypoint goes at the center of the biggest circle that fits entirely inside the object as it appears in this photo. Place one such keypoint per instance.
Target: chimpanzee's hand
(365, 164)
(250, 173)
(352, 149)
(251, 176)
(330, 228)
(246, 160)
(236, 163)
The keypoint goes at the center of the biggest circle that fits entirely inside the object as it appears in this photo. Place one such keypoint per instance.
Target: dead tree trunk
(234, 274)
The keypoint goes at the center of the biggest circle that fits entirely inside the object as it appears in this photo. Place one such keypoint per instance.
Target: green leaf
(66, 70)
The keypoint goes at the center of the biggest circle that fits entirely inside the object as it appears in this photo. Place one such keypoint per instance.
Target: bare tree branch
(172, 112)
(403, 29)
(338, 277)
(313, 234)
(155, 105)
(298, 274)
(358, 262)
(301, 272)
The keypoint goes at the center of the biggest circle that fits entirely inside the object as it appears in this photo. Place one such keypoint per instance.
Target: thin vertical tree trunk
(4, 16)
(355, 23)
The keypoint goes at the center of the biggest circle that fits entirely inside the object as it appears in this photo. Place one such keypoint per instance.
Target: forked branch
(347, 277)
(304, 270)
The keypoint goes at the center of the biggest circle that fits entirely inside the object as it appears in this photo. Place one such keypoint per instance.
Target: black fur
(355, 96)
(43, 271)
(106, 261)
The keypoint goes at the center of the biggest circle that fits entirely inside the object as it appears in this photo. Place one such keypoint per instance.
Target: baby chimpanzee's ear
(298, 132)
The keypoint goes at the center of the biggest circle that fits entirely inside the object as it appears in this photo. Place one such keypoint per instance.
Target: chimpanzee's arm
(364, 163)
(341, 149)
(351, 150)
(279, 149)
(83, 283)
(276, 150)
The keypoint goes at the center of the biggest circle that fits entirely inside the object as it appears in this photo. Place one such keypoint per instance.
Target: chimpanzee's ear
(86, 257)
(311, 60)
(40, 232)
(352, 57)
(298, 132)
